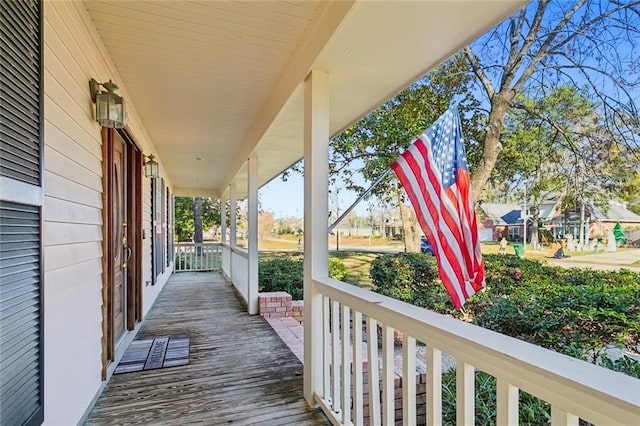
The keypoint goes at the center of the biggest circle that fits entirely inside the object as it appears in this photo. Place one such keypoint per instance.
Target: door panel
(118, 248)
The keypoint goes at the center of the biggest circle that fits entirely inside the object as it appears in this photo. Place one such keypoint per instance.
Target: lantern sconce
(111, 110)
(151, 168)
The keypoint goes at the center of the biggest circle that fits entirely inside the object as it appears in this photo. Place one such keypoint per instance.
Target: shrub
(287, 275)
(281, 275)
(410, 277)
(572, 311)
(337, 270)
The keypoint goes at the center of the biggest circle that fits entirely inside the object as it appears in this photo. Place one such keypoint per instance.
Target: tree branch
(479, 72)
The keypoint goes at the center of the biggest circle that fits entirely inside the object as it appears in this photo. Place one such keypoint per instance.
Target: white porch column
(233, 201)
(252, 238)
(223, 217)
(316, 176)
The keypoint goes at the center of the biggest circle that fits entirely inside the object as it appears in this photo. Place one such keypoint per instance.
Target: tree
(197, 220)
(266, 225)
(548, 148)
(370, 146)
(549, 44)
(537, 152)
(184, 216)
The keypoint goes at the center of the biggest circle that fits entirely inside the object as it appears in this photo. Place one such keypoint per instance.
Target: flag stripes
(445, 212)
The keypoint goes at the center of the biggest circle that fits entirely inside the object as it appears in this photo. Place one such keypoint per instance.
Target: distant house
(496, 220)
(600, 219)
(603, 221)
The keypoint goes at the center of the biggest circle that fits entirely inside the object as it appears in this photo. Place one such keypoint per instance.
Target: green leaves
(373, 143)
(568, 310)
(184, 225)
(285, 274)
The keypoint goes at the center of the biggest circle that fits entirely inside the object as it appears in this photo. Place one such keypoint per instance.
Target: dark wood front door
(120, 251)
(122, 216)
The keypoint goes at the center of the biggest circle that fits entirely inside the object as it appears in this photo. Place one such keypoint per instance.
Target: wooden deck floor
(240, 372)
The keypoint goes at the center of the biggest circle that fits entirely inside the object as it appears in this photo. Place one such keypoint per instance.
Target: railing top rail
(589, 391)
(189, 244)
(241, 251)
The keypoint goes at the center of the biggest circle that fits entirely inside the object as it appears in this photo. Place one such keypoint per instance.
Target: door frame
(133, 217)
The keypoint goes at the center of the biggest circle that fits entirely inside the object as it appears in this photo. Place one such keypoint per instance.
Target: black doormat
(149, 354)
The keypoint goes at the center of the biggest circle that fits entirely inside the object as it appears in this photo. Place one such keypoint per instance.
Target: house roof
(216, 83)
(547, 207)
(503, 214)
(616, 212)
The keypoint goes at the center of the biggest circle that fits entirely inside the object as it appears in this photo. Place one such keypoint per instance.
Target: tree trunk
(197, 222)
(410, 228)
(534, 227)
(582, 224)
(492, 145)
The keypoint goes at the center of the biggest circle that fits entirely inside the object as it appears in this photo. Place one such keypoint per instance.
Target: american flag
(435, 174)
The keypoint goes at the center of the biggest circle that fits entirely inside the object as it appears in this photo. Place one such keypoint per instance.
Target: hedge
(282, 274)
(573, 311)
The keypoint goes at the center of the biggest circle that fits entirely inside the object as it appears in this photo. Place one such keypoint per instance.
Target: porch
(239, 371)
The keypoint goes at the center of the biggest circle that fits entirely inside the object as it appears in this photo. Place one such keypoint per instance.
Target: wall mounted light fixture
(151, 167)
(111, 110)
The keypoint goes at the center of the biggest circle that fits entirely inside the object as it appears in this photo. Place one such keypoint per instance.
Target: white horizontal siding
(72, 212)
(67, 255)
(62, 164)
(57, 210)
(75, 274)
(63, 188)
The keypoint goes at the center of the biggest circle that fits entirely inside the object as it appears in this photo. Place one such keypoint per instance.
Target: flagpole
(360, 198)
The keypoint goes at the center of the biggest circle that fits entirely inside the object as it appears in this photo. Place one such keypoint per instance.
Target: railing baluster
(434, 386)
(335, 350)
(560, 417)
(206, 258)
(507, 401)
(374, 374)
(408, 380)
(465, 394)
(388, 391)
(346, 365)
(326, 349)
(358, 415)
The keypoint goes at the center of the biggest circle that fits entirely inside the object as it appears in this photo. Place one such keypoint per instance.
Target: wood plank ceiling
(218, 81)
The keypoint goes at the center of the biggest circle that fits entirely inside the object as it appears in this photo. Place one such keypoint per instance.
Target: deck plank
(239, 372)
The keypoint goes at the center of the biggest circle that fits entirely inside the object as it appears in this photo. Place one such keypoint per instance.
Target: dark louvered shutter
(20, 356)
(20, 91)
(21, 301)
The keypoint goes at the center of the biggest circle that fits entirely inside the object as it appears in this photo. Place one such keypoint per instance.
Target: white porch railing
(574, 389)
(197, 257)
(226, 259)
(240, 271)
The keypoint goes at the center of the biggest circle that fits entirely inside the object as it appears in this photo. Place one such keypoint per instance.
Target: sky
(286, 199)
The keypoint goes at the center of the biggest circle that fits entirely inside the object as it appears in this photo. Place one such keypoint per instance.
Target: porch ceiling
(222, 81)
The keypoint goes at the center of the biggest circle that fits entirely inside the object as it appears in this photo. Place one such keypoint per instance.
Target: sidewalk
(612, 261)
